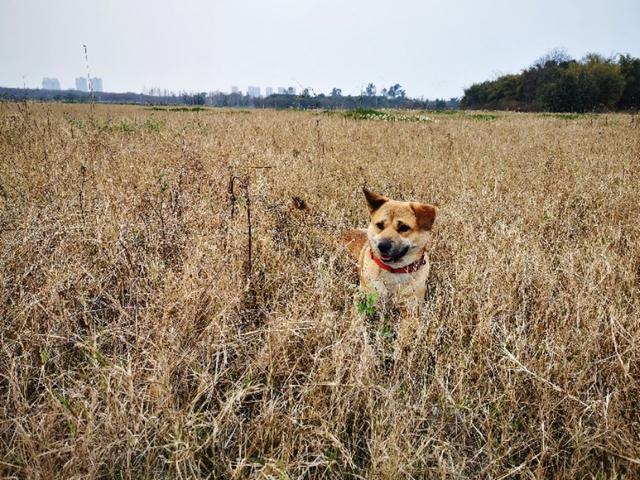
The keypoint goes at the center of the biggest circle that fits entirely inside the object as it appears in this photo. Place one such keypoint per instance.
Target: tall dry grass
(136, 342)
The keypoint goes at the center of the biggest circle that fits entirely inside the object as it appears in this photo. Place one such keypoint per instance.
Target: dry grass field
(139, 339)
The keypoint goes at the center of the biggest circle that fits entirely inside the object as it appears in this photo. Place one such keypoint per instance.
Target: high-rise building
(282, 91)
(253, 92)
(96, 84)
(268, 91)
(235, 89)
(50, 84)
(81, 84)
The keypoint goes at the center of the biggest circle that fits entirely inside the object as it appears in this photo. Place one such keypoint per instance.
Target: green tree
(555, 82)
(395, 91)
(440, 104)
(559, 94)
(630, 71)
(370, 90)
(606, 81)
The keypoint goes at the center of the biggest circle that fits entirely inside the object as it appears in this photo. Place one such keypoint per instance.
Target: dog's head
(398, 230)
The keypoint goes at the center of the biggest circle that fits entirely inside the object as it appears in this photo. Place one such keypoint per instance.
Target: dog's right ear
(425, 214)
(374, 201)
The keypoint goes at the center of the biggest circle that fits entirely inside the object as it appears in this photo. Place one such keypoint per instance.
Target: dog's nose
(385, 247)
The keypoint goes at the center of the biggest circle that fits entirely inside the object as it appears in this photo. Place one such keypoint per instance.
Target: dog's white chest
(397, 286)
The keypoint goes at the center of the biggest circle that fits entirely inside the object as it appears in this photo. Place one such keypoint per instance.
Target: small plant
(450, 112)
(483, 116)
(386, 331)
(370, 114)
(566, 116)
(178, 109)
(153, 125)
(367, 303)
(366, 114)
(75, 122)
(125, 125)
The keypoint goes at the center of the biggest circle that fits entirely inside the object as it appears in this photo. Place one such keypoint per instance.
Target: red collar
(412, 267)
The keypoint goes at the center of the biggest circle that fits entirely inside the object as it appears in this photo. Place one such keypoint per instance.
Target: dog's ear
(374, 201)
(425, 214)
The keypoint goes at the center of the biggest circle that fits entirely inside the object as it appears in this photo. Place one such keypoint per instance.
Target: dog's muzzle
(390, 252)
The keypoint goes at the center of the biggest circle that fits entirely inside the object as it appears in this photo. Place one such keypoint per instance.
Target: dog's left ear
(374, 200)
(425, 214)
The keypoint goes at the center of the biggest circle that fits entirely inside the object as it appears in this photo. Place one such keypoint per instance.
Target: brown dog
(391, 253)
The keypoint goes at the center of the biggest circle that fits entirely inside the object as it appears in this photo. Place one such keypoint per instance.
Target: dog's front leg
(420, 293)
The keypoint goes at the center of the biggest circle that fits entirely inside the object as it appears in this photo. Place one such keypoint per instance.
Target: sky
(433, 48)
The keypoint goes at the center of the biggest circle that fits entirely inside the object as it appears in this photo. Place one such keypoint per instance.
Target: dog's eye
(380, 225)
(403, 228)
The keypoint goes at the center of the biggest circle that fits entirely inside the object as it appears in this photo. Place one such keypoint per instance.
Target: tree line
(559, 83)
(392, 97)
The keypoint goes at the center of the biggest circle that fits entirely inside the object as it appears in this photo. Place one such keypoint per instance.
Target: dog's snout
(385, 247)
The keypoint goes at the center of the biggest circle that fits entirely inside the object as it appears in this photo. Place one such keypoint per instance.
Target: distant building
(291, 91)
(282, 91)
(50, 84)
(81, 84)
(96, 83)
(253, 92)
(268, 91)
(235, 89)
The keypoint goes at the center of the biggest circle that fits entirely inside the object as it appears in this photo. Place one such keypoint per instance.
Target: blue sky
(434, 48)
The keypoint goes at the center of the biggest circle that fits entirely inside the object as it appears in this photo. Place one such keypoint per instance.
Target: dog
(391, 253)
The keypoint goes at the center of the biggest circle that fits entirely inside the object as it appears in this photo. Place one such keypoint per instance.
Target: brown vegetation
(139, 339)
